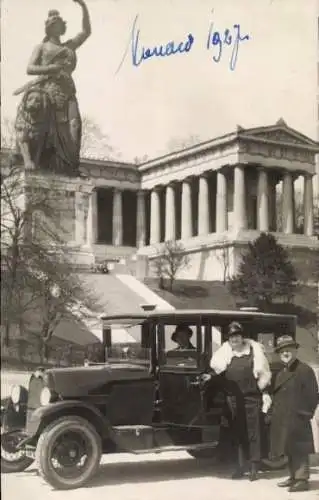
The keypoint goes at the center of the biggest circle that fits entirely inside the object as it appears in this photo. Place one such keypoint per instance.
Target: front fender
(13, 416)
(44, 415)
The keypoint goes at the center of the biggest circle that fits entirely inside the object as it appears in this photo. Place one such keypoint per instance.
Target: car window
(179, 344)
(127, 344)
(267, 340)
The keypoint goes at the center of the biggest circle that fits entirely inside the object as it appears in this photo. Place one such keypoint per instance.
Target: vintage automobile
(144, 397)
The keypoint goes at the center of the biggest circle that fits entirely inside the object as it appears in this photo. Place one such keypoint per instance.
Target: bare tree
(169, 261)
(223, 257)
(7, 133)
(38, 277)
(95, 143)
(179, 143)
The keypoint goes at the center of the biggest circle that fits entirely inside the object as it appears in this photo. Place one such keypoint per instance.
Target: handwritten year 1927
(216, 43)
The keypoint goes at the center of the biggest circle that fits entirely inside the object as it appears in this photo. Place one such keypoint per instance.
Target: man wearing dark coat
(295, 398)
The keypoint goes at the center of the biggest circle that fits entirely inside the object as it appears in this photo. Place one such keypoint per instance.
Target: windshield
(130, 343)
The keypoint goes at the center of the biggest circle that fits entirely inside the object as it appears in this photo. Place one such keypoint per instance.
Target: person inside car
(181, 336)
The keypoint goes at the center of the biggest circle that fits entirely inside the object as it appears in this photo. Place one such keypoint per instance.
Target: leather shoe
(299, 486)
(253, 476)
(287, 483)
(238, 474)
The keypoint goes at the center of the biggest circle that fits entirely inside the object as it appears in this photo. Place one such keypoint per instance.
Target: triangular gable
(279, 133)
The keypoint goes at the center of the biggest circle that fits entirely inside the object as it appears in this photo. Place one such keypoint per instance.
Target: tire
(17, 462)
(49, 438)
(275, 464)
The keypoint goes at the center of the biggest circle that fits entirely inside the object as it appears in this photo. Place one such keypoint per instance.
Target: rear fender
(14, 416)
(44, 415)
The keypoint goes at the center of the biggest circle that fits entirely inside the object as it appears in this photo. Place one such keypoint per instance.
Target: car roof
(189, 314)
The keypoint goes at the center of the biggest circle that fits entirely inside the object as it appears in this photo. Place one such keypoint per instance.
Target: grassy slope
(188, 294)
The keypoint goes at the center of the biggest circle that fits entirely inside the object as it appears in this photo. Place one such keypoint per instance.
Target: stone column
(92, 219)
(240, 219)
(308, 205)
(155, 232)
(221, 203)
(272, 205)
(186, 210)
(117, 218)
(262, 201)
(288, 204)
(203, 206)
(79, 218)
(170, 222)
(140, 220)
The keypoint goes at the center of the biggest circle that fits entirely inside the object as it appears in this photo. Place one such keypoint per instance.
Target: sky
(143, 108)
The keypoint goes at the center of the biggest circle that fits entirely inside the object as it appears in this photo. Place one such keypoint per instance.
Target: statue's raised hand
(80, 2)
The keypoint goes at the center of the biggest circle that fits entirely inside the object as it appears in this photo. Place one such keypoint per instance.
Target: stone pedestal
(61, 211)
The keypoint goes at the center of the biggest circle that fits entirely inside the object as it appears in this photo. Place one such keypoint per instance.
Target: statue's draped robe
(56, 148)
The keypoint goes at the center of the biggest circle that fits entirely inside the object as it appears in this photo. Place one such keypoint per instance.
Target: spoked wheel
(277, 464)
(13, 460)
(68, 453)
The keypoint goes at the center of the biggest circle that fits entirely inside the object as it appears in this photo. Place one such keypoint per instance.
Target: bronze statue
(48, 123)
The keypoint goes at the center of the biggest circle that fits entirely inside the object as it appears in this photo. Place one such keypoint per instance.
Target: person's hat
(235, 328)
(285, 341)
(181, 328)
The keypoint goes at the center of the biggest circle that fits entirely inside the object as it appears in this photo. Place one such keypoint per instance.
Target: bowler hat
(285, 341)
(181, 328)
(235, 328)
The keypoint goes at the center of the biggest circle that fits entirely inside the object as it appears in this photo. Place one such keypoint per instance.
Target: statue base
(61, 202)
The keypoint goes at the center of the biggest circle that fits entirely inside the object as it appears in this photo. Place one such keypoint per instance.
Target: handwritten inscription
(222, 40)
(217, 42)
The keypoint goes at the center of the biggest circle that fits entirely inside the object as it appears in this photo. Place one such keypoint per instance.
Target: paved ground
(169, 476)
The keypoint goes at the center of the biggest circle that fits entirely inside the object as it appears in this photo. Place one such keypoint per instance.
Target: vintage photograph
(160, 249)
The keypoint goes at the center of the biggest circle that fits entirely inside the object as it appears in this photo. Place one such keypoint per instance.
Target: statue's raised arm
(48, 123)
(81, 37)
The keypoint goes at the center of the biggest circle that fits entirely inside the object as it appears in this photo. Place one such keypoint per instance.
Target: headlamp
(45, 396)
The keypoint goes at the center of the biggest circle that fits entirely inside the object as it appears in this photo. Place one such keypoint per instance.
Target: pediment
(279, 134)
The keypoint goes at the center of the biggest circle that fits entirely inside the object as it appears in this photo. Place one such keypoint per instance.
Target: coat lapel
(285, 374)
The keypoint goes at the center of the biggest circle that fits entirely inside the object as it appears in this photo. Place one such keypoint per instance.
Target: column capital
(188, 180)
(140, 193)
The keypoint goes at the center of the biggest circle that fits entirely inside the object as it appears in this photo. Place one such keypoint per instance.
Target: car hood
(93, 380)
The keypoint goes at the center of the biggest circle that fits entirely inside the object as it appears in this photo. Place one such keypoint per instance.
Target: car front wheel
(68, 453)
(13, 459)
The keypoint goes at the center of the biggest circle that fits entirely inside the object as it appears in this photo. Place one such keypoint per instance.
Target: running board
(165, 449)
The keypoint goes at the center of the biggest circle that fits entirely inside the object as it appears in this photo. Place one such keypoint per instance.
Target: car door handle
(195, 383)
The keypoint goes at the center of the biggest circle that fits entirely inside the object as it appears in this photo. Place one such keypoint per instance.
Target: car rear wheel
(68, 453)
(277, 464)
(12, 459)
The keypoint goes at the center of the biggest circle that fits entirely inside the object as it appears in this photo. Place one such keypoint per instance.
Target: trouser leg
(301, 467)
(241, 457)
(291, 469)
